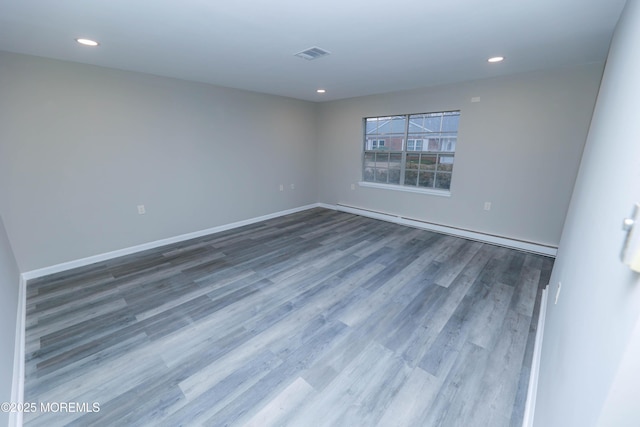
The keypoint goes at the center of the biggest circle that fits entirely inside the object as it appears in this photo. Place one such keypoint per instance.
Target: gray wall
(82, 146)
(9, 280)
(519, 148)
(593, 329)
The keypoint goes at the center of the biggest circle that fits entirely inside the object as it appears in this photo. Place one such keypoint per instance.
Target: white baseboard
(498, 240)
(532, 391)
(459, 232)
(326, 206)
(17, 388)
(58, 268)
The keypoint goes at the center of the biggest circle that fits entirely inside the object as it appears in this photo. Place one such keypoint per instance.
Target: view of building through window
(413, 150)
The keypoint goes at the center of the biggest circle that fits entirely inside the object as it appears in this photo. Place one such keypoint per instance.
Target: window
(414, 144)
(375, 144)
(425, 161)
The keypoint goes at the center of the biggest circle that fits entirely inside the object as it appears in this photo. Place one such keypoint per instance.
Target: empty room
(320, 214)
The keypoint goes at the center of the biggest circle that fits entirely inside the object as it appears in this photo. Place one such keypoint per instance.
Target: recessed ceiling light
(87, 42)
(496, 59)
(321, 91)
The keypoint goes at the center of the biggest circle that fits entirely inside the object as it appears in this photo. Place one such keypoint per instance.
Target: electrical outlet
(558, 292)
(487, 206)
(353, 186)
(293, 186)
(141, 210)
(281, 187)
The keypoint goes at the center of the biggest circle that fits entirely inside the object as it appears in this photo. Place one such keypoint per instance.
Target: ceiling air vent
(312, 53)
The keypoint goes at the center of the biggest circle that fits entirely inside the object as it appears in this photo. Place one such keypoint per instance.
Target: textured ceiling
(376, 46)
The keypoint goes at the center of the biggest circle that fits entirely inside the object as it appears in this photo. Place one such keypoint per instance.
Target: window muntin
(424, 161)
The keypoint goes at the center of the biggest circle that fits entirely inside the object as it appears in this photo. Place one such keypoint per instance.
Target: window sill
(441, 193)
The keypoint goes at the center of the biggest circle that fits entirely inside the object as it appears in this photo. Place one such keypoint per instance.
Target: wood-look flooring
(319, 318)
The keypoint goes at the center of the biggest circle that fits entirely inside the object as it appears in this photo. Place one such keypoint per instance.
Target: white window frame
(429, 163)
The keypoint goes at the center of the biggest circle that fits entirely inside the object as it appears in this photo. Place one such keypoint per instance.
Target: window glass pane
(369, 159)
(382, 160)
(445, 163)
(433, 123)
(448, 143)
(398, 125)
(395, 160)
(369, 174)
(371, 126)
(428, 162)
(381, 175)
(443, 180)
(426, 179)
(413, 161)
(394, 176)
(411, 178)
(416, 123)
(450, 122)
(396, 143)
(434, 144)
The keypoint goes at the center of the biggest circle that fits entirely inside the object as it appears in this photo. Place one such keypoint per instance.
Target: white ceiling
(377, 46)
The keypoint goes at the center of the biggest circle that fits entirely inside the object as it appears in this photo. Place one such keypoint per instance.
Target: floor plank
(318, 318)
